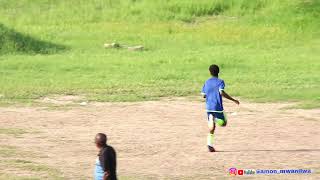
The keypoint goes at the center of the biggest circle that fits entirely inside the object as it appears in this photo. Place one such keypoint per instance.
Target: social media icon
(233, 171)
(240, 172)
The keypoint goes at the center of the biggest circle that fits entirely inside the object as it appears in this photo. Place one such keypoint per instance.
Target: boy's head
(100, 140)
(214, 70)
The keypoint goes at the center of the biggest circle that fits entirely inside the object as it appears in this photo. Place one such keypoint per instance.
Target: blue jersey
(212, 89)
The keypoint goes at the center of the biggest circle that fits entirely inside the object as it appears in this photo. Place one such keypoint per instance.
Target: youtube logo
(240, 172)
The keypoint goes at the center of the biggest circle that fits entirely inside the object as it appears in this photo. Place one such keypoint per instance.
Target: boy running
(213, 90)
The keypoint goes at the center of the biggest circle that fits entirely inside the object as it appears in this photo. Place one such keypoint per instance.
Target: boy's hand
(236, 101)
(105, 175)
(226, 95)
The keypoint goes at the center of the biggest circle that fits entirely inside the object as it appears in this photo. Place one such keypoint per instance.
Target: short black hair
(101, 139)
(214, 70)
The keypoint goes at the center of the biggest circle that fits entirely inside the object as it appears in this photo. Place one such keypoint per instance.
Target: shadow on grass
(311, 6)
(12, 42)
(275, 150)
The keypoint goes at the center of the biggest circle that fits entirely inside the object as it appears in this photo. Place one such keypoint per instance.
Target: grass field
(268, 50)
(52, 56)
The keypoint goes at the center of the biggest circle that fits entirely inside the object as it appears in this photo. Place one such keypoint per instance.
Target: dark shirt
(107, 158)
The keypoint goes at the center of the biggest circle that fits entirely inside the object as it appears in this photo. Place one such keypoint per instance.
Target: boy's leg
(210, 137)
(220, 118)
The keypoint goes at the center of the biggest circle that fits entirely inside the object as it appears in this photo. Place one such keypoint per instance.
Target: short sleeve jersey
(212, 89)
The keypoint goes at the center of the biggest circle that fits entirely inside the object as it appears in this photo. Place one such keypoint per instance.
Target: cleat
(211, 149)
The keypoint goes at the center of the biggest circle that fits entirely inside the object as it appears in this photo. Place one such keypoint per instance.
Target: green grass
(15, 42)
(12, 131)
(13, 160)
(6, 151)
(268, 50)
(37, 171)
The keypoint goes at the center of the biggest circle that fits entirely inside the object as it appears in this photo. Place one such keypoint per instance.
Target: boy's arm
(203, 91)
(226, 95)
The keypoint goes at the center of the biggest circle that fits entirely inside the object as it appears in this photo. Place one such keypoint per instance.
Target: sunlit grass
(267, 50)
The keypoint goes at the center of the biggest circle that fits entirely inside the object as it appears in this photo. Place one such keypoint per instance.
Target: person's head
(214, 70)
(100, 140)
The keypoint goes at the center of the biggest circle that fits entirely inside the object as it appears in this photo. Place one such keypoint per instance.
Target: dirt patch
(167, 139)
(61, 100)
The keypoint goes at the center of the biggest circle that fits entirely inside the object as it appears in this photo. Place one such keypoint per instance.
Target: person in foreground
(105, 167)
(212, 91)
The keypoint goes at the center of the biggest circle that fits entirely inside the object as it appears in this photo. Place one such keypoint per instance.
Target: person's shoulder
(103, 150)
(220, 80)
(111, 149)
(107, 150)
(208, 80)
(215, 80)
(211, 79)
